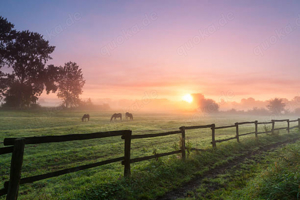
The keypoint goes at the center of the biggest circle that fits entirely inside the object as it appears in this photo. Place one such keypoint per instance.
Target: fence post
(288, 125)
(299, 123)
(256, 128)
(15, 169)
(273, 126)
(182, 142)
(237, 132)
(127, 138)
(213, 135)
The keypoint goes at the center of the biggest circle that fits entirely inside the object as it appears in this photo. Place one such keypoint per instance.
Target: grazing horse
(129, 115)
(116, 115)
(85, 116)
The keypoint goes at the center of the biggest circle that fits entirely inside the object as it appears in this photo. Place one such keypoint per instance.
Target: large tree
(26, 53)
(7, 36)
(70, 84)
(29, 54)
(276, 106)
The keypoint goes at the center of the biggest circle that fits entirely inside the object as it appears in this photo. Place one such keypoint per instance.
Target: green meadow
(107, 182)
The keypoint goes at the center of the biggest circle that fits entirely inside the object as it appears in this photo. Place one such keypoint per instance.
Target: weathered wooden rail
(11, 186)
(17, 145)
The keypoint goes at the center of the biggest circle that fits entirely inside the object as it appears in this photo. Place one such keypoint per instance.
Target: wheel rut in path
(193, 184)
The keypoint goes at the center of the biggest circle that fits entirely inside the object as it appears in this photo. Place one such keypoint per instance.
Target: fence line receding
(17, 145)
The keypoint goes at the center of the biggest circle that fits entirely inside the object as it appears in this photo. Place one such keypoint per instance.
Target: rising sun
(188, 98)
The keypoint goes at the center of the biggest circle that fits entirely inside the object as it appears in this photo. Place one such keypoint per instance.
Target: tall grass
(149, 178)
(153, 179)
(278, 177)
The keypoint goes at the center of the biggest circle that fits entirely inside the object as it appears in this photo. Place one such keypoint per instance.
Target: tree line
(24, 55)
(275, 106)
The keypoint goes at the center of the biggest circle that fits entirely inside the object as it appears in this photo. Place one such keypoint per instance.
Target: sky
(227, 49)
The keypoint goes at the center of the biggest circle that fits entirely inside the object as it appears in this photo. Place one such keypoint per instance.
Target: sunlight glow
(188, 98)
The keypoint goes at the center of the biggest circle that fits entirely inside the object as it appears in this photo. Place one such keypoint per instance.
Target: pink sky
(227, 51)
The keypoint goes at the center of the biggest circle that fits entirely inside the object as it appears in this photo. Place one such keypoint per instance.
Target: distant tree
(296, 99)
(297, 111)
(104, 106)
(205, 105)
(258, 111)
(30, 76)
(209, 106)
(70, 84)
(233, 111)
(88, 104)
(276, 106)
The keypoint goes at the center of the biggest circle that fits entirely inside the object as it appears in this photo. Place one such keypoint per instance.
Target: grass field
(272, 174)
(42, 158)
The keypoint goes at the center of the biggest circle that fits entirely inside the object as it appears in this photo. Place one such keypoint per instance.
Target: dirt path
(196, 182)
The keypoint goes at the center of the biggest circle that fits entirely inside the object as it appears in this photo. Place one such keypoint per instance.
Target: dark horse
(115, 116)
(129, 115)
(85, 116)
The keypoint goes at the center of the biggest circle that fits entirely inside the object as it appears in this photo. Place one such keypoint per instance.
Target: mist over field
(149, 100)
(153, 104)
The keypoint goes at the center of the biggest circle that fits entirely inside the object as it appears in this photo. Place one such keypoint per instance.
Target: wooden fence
(17, 145)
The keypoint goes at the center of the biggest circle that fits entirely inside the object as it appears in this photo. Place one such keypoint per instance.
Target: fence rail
(296, 120)
(247, 133)
(280, 120)
(283, 128)
(18, 144)
(6, 150)
(154, 135)
(264, 132)
(196, 127)
(3, 191)
(241, 123)
(294, 127)
(154, 156)
(65, 138)
(264, 123)
(225, 139)
(32, 179)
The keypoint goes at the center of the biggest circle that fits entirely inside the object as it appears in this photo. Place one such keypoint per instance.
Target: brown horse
(115, 116)
(85, 116)
(129, 115)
